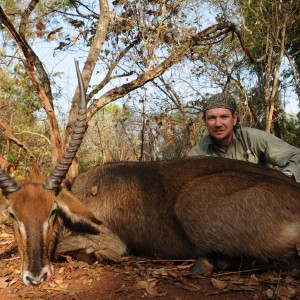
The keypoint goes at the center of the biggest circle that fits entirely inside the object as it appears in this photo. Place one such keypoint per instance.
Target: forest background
(147, 66)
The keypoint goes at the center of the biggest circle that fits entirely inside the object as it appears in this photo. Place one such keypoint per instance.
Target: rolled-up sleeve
(278, 153)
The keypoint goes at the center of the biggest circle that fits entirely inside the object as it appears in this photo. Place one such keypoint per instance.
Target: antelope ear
(75, 215)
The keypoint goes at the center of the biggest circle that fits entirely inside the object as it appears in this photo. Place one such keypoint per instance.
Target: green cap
(220, 101)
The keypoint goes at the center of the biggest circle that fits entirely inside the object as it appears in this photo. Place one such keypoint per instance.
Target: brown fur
(38, 214)
(196, 207)
(200, 207)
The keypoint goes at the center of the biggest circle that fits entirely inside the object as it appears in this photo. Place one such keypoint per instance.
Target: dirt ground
(137, 278)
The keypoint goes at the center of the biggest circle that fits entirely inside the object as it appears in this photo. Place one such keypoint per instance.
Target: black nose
(36, 281)
(33, 281)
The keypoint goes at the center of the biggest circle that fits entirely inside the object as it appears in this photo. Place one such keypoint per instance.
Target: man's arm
(278, 153)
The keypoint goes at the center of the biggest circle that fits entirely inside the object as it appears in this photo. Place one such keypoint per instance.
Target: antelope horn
(61, 169)
(7, 184)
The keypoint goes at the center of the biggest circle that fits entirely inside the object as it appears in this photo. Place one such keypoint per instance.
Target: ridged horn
(7, 184)
(60, 171)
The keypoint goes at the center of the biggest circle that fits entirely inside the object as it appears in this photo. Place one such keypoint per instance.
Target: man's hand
(289, 174)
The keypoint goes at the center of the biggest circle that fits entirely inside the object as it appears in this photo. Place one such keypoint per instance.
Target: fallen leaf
(184, 267)
(219, 284)
(140, 285)
(173, 274)
(6, 235)
(151, 291)
(254, 277)
(252, 282)
(68, 258)
(13, 281)
(286, 292)
(4, 282)
(58, 281)
(289, 279)
(270, 293)
(190, 286)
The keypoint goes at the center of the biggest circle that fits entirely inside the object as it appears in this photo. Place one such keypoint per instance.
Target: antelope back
(196, 206)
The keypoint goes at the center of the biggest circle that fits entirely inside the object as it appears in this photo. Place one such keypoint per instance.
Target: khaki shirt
(256, 146)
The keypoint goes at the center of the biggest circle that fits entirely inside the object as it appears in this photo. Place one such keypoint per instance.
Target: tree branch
(10, 135)
(36, 61)
(252, 58)
(91, 60)
(46, 102)
(174, 57)
(111, 68)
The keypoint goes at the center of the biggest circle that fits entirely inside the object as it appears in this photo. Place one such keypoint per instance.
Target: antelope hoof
(203, 267)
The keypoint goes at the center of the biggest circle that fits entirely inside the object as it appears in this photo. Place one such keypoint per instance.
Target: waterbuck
(199, 207)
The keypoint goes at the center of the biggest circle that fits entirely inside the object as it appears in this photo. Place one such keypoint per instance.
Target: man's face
(220, 123)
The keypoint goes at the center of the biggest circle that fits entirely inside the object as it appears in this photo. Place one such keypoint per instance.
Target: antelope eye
(12, 216)
(53, 213)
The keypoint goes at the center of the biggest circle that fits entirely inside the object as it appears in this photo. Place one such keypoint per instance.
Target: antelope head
(38, 206)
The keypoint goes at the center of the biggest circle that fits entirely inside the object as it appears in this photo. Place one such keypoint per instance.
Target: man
(227, 139)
